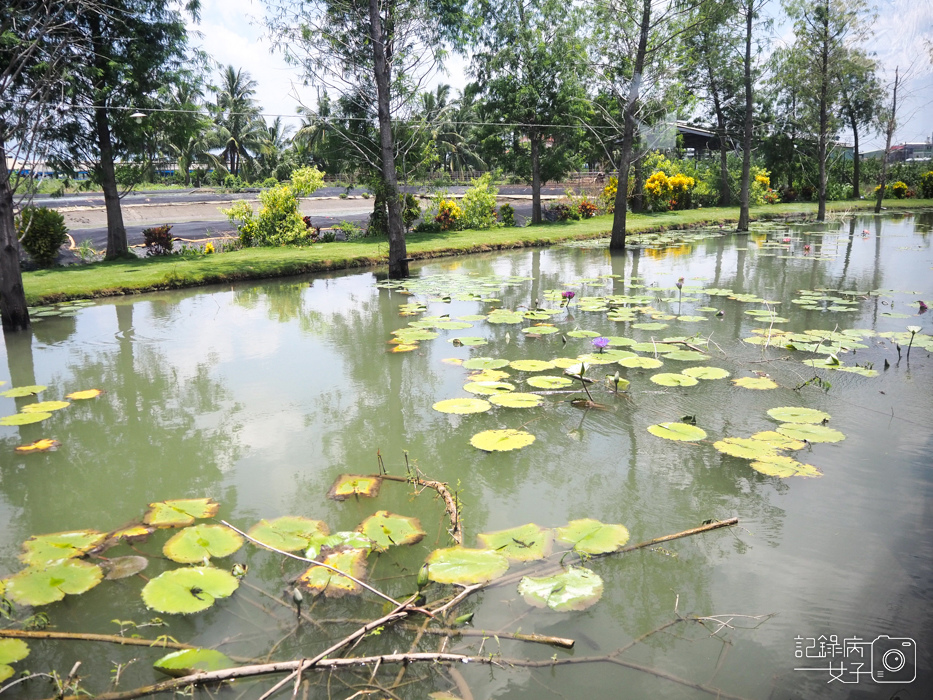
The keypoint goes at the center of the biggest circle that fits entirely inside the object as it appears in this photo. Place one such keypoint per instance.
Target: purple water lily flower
(600, 342)
(567, 296)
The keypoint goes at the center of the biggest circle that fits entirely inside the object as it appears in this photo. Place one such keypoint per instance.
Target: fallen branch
(450, 503)
(110, 638)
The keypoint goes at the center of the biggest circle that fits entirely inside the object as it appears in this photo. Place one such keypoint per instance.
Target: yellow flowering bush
(448, 215)
(760, 186)
(669, 192)
(608, 197)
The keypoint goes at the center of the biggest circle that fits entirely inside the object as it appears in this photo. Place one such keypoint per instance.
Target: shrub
(608, 196)
(350, 230)
(836, 191)
(899, 189)
(586, 209)
(233, 183)
(479, 204)
(926, 185)
(42, 232)
(669, 192)
(772, 196)
(565, 212)
(448, 215)
(807, 192)
(411, 210)
(507, 215)
(270, 182)
(278, 221)
(158, 240)
(788, 194)
(209, 248)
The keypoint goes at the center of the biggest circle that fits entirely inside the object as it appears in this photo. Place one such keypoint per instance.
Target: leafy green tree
(528, 62)
(862, 97)
(185, 130)
(239, 126)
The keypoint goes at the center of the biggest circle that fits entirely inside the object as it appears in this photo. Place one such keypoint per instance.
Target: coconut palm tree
(239, 125)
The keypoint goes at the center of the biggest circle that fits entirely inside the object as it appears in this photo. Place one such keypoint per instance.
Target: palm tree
(187, 135)
(273, 145)
(237, 118)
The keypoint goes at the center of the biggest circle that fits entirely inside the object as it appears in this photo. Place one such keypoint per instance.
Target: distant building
(905, 152)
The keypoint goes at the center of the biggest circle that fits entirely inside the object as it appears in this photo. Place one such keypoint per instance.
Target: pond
(259, 396)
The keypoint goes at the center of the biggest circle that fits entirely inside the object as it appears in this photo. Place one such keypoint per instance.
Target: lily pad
(778, 441)
(45, 406)
(343, 539)
(199, 543)
(488, 388)
(43, 445)
(123, 567)
(706, 372)
(288, 533)
(453, 325)
(347, 485)
(180, 512)
(11, 650)
(501, 440)
(462, 406)
(677, 431)
(745, 448)
(42, 550)
(387, 529)
(465, 566)
(685, 356)
(761, 383)
(44, 585)
(22, 391)
(810, 433)
(590, 536)
(528, 542)
(574, 589)
(319, 580)
(671, 379)
(640, 362)
(471, 341)
(565, 362)
(531, 365)
(517, 400)
(188, 590)
(784, 467)
(24, 418)
(793, 414)
(648, 326)
(484, 363)
(582, 334)
(548, 382)
(540, 329)
(188, 661)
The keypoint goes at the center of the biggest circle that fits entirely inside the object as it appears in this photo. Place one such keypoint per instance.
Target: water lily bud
(463, 620)
(423, 577)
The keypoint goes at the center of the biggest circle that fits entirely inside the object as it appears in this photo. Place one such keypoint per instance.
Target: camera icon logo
(893, 659)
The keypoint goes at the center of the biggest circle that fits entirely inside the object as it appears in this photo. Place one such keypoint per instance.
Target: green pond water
(259, 395)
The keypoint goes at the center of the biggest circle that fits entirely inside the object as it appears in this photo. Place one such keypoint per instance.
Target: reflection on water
(261, 394)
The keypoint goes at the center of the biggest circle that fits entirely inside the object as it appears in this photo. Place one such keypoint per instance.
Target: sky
(231, 33)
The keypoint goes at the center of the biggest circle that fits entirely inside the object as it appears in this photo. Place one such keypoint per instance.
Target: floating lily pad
(863, 371)
(24, 418)
(574, 589)
(582, 334)
(602, 358)
(42, 550)
(199, 543)
(692, 319)
(22, 391)
(188, 590)
(489, 375)
(548, 382)
(404, 347)
(501, 440)
(465, 566)
(523, 543)
(188, 661)
(685, 356)
(387, 529)
(671, 379)
(339, 540)
(11, 651)
(745, 448)
(792, 414)
(45, 406)
(488, 388)
(462, 406)
(590, 536)
(453, 325)
(123, 567)
(784, 467)
(565, 362)
(319, 580)
(540, 329)
(43, 445)
(755, 383)
(640, 362)
(289, 533)
(180, 512)
(649, 326)
(531, 365)
(677, 431)
(516, 400)
(484, 363)
(778, 441)
(810, 433)
(44, 585)
(472, 341)
(706, 372)
(347, 485)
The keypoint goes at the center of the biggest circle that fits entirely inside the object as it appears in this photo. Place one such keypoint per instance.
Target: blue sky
(232, 35)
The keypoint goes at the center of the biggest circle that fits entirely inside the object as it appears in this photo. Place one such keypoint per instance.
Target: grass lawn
(167, 272)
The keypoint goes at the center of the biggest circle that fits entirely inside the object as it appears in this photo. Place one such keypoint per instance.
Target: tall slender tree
(861, 96)
(237, 117)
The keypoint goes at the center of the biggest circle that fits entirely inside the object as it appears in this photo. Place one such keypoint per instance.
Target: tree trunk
(116, 231)
(638, 192)
(856, 163)
(745, 191)
(535, 176)
(824, 114)
(13, 311)
(892, 124)
(617, 242)
(725, 193)
(398, 255)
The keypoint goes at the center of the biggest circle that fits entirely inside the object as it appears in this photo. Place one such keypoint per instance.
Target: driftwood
(450, 503)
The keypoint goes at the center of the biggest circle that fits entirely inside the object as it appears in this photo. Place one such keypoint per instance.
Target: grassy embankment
(149, 274)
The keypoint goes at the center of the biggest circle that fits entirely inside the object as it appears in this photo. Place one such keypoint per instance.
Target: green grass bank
(111, 278)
